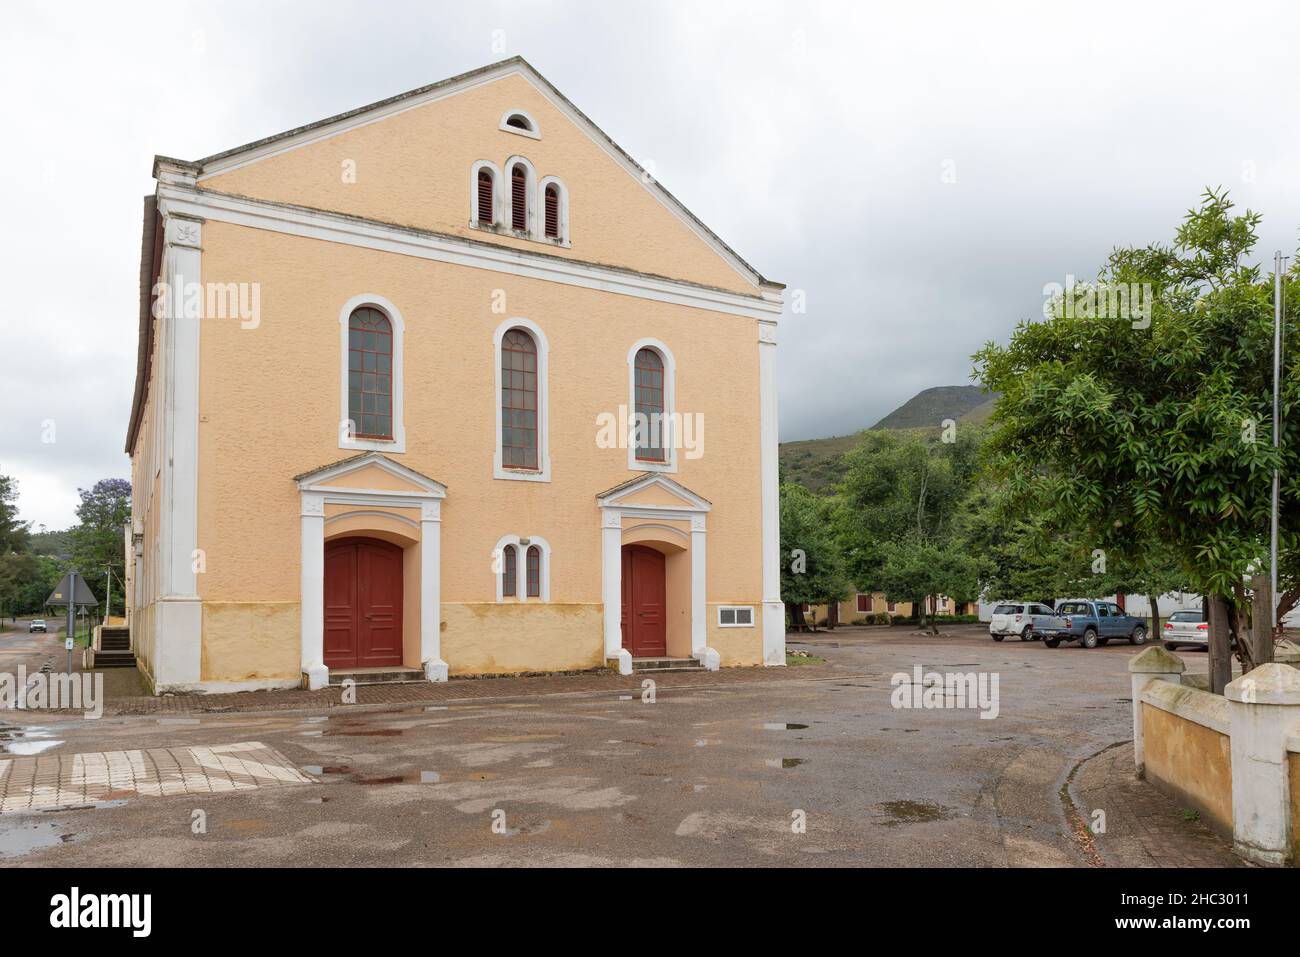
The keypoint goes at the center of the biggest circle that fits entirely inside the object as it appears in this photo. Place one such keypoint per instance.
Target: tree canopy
(1153, 436)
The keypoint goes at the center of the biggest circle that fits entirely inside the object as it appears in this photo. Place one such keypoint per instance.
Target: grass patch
(804, 659)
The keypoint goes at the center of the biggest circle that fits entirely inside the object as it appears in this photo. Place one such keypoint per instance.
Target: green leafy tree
(1151, 434)
(812, 569)
(97, 539)
(899, 515)
(16, 565)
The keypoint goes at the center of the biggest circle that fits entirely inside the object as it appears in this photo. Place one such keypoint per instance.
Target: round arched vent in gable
(521, 122)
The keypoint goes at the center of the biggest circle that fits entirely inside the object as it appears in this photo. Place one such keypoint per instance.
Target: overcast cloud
(813, 138)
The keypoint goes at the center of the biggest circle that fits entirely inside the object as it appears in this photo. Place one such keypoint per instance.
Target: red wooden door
(644, 594)
(363, 604)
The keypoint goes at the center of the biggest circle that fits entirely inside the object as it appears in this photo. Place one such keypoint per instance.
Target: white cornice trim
(368, 234)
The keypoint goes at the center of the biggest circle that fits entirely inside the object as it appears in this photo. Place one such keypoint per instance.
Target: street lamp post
(1277, 427)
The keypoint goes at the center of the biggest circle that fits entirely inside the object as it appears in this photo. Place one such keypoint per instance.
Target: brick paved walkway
(461, 689)
(67, 780)
(1144, 826)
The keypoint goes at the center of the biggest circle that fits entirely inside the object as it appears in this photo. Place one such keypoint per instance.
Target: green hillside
(929, 407)
(817, 464)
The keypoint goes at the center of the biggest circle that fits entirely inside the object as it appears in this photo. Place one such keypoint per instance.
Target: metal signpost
(74, 593)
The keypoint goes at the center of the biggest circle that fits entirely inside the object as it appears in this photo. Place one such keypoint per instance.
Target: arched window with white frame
(652, 407)
(521, 182)
(485, 201)
(371, 334)
(524, 568)
(522, 405)
(554, 203)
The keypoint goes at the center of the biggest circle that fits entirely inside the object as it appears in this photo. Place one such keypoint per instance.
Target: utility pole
(1277, 428)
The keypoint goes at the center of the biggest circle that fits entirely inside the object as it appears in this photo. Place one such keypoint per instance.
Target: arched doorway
(363, 603)
(644, 600)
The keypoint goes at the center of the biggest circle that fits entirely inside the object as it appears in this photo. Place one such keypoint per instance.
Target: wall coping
(1270, 683)
(1156, 661)
(1200, 707)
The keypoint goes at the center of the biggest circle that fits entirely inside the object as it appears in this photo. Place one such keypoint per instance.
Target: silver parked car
(1186, 628)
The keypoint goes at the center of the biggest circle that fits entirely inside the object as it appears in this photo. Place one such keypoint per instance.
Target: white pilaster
(611, 579)
(773, 608)
(312, 615)
(179, 617)
(1264, 708)
(699, 596)
(435, 669)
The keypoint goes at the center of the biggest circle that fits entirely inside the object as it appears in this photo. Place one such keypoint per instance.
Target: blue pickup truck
(1092, 623)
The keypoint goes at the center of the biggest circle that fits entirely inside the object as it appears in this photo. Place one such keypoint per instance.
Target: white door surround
(427, 496)
(614, 506)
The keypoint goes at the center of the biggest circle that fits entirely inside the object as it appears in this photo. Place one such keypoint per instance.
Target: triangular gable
(216, 171)
(653, 490)
(371, 471)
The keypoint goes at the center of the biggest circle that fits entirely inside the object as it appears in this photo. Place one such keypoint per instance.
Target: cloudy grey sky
(814, 138)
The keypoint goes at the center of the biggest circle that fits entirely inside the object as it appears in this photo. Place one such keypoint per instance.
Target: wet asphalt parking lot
(809, 772)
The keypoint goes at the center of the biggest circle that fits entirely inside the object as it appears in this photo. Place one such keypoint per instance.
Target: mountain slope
(817, 464)
(929, 407)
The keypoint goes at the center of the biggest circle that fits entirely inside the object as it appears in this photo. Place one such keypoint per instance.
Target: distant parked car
(1093, 623)
(1022, 619)
(36, 624)
(1186, 628)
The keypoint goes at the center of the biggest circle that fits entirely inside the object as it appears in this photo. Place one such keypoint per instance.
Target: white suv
(1016, 618)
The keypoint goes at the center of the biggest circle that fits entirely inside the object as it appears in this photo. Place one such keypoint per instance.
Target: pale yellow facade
(275, 480)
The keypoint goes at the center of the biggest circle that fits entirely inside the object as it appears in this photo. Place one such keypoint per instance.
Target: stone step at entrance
(651, 665)
(107, 658)
(376, 676)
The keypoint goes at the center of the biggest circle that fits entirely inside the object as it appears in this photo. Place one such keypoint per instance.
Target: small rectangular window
(864, 603)
(736, 616)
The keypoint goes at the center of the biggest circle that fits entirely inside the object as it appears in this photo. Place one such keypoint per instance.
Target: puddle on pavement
(23, 742)
(319, 770)
(27, 838)
(914, 812)
(783, 726)
(371, 733)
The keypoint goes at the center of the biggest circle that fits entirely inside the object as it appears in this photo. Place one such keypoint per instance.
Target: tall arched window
(486, 216)
(649, 398)
(509, 570)
(534, 572)
(370, 374)
(519, 197)
(552, 212)
(518, 400)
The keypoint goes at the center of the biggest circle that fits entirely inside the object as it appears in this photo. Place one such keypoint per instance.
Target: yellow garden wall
(1191, 761)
